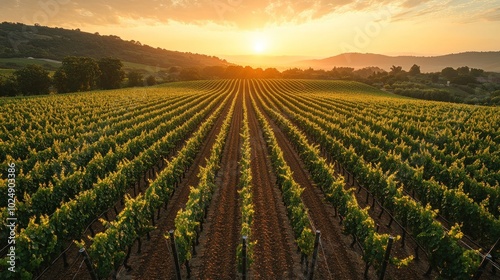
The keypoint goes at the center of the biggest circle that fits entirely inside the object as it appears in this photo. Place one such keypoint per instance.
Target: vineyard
(248, 179)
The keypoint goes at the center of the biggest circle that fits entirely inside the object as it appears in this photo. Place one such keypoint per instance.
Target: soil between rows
(418, 267)
(336, 259)
(275, 254)
(156, 261)
(216, 258)
(76, 268)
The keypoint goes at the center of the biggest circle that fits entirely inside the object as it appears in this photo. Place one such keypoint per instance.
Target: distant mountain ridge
(488, 61)
(20, 40)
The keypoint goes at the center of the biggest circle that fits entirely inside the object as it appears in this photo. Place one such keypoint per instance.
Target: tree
(449, 73)
(414, 70)
(8, 86)
(434, 77)
(248, 72)
(61, 81)
(341, 73)
(32, 80)
(134, 79)
(111, 73)
(396, 70)
(233, 71)
(151, 80)
(189, 74)
(271, 73)
(77, 74)
(213, 72)
(476, 72)
(463, 71)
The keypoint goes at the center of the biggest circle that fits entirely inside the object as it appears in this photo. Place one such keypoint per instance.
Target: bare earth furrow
(156, 261)
(275, 255)
(216, 258)
(338, 261)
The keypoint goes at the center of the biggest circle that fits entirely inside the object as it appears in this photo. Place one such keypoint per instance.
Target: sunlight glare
(259, 46)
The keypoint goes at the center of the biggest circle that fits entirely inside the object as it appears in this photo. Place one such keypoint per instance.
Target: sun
(259, 46)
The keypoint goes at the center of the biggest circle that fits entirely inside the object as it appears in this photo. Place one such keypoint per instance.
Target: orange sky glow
(315, 28)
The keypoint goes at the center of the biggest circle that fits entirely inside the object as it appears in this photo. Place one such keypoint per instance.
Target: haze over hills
(19, 40)
(488, 61)
(281, 62)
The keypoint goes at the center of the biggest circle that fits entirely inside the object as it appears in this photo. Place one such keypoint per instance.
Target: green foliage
(151, 80)
(8, 86)
(414, 70)
(77, 74)
(111, 73)
(33, 80)
(296, 210)
(245, 192)
(449, 73)
(74, 214)
(396, 70)
(357, 221)
(58, 43)
(135, 79)
(367, 154)
(427, 94)
(188, 220)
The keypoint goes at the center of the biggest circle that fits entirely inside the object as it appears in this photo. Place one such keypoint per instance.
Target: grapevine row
(454, 174)
(108, 248)
(45, 173)
(454, 203)
(188, 222)
(54, 121)
(450, 259)
(296, 210)
(41, 239)
(245, 192)
(47, 198)
(357, 222)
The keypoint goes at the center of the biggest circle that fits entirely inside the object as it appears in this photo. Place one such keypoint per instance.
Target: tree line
(84, 73)
(75, 74)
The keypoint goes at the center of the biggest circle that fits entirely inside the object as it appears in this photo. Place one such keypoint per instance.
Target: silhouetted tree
(271, 73)
(134, 79)
(151, 80)
(449, 73)
(476, 72)
(8, 86)
(189, 74)
(32, 80)
(111, 73)
(247, 72)
(414, 70)
(434, 77)
(463, 71)
(258, 73)
(77, 74)
(233, 71)
(343, 73)
(213, 72)
(396, 70)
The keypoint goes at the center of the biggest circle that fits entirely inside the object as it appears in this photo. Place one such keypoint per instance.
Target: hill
(488, 61)
(18, 40)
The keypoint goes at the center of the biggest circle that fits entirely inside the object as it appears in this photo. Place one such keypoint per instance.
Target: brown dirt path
(336, 259)
(77, 270)
(275, 254)
(416, 268)
(155, 261)
(216, 258)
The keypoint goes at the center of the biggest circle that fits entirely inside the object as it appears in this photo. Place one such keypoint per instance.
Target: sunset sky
(315, 28)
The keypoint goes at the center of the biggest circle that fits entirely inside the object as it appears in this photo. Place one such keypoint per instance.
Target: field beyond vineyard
(269, 159)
